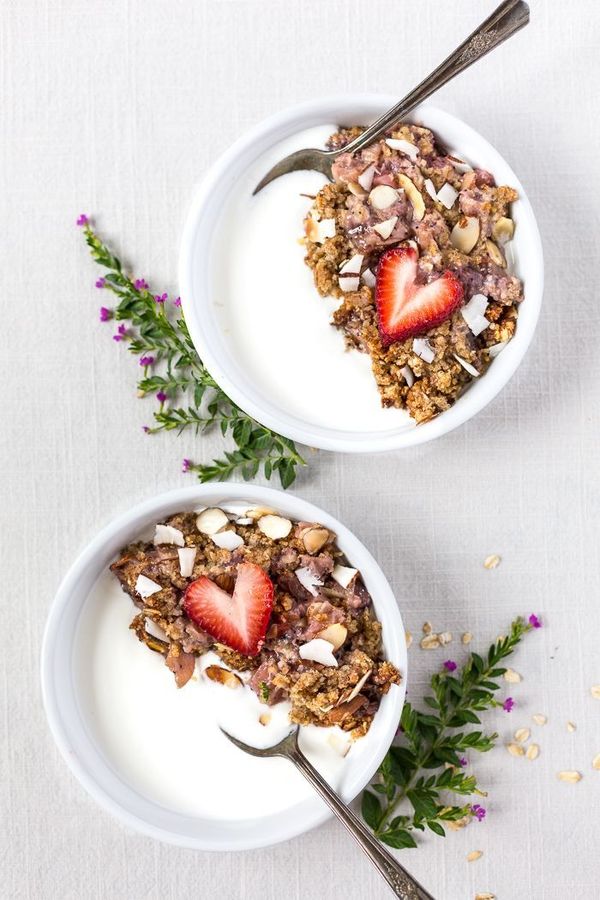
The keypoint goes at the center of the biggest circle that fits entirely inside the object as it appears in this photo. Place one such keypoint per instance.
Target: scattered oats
(540, 719)
(515, 749)
(596, 762)
(533, 751)
(491, 562)
(430, 642)
(571, 777)
(473, 855)
(264, 718)
(596, 692)
(409, 639)
(522, 735)
(445, 637)
(486, 896)
(571, 727)
(467, 637)
(512, 677)
(458, 824)
(427, 628)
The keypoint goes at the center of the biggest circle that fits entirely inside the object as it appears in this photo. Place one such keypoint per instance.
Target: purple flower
(121, 332)
(101, 282)
(83, 220)
(140, 284)
(186, 465)
(161, 298)
(105, 314)
(478, 811)
(534, 621)
(146, 361)
(146, 429)
(161, 396)
(463, 761)
(450, 665)
(508, 704)
(177, 301)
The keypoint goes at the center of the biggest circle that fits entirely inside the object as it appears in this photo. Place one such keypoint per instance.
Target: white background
(116, 108)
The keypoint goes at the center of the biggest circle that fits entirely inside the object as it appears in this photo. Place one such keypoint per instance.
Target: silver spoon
(400, 881)
(506, 20)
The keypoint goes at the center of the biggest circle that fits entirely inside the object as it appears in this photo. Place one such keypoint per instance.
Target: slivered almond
(473, 855)
(223, 676)
(522, 735)
(512, 677)
(515, 749)
(540, 719)
(414, 195)
(533, 751)
(495, 253)
(571, 777)
(356, 189)
(465, 234)
(315, 538)
(336, 634)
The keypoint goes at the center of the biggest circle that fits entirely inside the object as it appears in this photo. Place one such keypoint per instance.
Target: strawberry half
(239, 620)
(406, 308)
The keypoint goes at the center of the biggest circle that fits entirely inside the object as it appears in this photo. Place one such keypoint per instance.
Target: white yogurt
(277, 325)
(165, 742)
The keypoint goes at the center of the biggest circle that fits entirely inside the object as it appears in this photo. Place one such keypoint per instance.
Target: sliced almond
(166, 534)
(210, 521)
(319, 651)
(275, 527)
(595, 691)
(223, 676)
(227, 540)
(495, 253)
(492, 562)
(356, 189)
(335, 634)
(533, 751)
(473, 855)
(384, 229)
(145, 587)
(264, 718)
(571, 727)
(596, 762)
(570, 776)
(315, 538)
(347, 696)
(344, 575)
(467, 637)
(515, 749)
(257, 512)
(503, 230)
(414, 195)
(539, 719)
(187, 557)
(522, 735)
(512, 677)
(465, 233)
(430, 642)
(382, 196)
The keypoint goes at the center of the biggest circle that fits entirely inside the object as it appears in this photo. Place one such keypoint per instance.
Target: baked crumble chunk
(276, 600)
(412, 242)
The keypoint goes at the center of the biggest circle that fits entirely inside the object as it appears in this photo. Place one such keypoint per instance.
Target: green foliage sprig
(174, 373)
(418, 772)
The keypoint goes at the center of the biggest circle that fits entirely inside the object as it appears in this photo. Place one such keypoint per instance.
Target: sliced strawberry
(406, 308)
(239, 620)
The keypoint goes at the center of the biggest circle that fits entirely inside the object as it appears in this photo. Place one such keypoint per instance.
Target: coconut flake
(423, 349)
(430, 188)
(365, 179)
(145, 587)
(227, 540)
(384, 229)
(308, 580)
(345, 698)
(460, 165)
(404, 147)
(187, 557)
(166, 534)
(473, 313)
(352, 265)
(325, 229)
(343, 575)
(408, 375)
(368, 278)
(211, 520)
(467, 366)
(382, 196)
(319, 651)
(447, 195)
(496, 349)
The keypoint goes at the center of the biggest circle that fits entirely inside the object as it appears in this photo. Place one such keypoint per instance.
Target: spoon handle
(506, 20)
(401, 882)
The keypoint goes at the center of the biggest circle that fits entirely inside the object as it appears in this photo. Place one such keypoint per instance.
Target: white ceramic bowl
(65, 701)
(197, 256)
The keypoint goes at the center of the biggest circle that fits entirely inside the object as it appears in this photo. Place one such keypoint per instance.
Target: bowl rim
(468, 405)
(70, 732)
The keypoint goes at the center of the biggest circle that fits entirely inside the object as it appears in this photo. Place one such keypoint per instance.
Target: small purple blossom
(508, 704)
(146, 429)
(186, 465)
(105, 314)
(534, 621)
(177, 301)
(161, 396)
(146, 361)
(450, 665)
(478, 812)
(140, 284)
(83, 220)
(161, 298)
(121, 332)
(463, 761)
(101, 282)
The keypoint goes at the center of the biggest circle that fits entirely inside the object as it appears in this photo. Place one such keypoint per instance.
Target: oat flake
(539, 719)
(596, 762)
(473, 855)
(533, 751)
(512, 677)
(515, 749)
(522, 735)
(467, 637)
(491, 562)
(596, 691)
(571, 777)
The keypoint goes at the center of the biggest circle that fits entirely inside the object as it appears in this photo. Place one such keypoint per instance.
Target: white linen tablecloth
(116, 108)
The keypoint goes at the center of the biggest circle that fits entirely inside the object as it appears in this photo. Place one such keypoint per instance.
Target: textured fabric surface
(116, 107)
